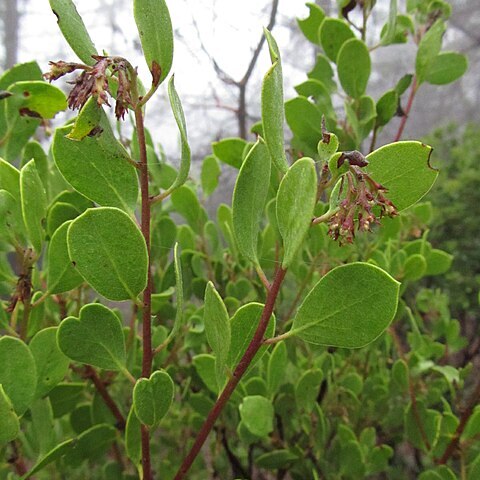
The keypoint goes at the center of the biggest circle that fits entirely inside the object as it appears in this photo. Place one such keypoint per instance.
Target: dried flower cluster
(364, 203)
(93, 81)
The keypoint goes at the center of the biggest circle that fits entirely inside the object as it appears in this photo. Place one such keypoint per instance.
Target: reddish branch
(413, 91)
(451, 447)
(238, 373)
(109, 401)
(147, 294)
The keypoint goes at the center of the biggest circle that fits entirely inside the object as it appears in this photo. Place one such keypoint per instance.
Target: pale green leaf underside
(155, 29)
(73, 29)
(98, 167)
(95, 338)
(108, 250)
(62, 277)
(249, 199)
(152, 397)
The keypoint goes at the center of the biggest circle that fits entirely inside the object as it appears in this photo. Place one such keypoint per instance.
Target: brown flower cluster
(363, 204)
(93, 81)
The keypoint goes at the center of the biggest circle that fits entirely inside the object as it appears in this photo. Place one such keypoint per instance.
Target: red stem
(461, 426)
(109, 402)
(147, 294)
(239, 371)
(413, 91)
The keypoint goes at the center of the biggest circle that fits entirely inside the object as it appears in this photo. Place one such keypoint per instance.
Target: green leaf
(90, 444)
(186, 203)
(155, 29)
(152, 398)
(9, 423)
(243, 326)
(296, 199)
(34, 204)
(256, 413)
(51, 363)
(446, 67)
(404, 169)
(472, 428)
(333, 34)
(35, 99)
(87, 120)
(62, 277)
(95, 338)
(277, 364)
(230, 151)
(217, 326)
(305, 120)
(403, 84)
(323, 72)
(431, 421)
(310, 25)
(182, 128)
(386, 107)
(205, 366)
(133, 438)
(98, 167)
(108, 250)
(307, 388)
(179, 292)
(249, 199)
(428, 48)
(209, 176)
(18, 374)
(276, 459)
(438, 262)
(349, 307)
(57, 452)
(474, 468)
(273, 112)
(354, 67)
(389, 34)
(414, 267)
(73, 29)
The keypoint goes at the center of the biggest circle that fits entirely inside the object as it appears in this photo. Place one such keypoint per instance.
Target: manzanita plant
(234, 337)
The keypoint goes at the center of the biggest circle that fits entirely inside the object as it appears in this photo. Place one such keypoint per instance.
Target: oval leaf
(446, 67)
(404, 169)
(296, 199)
(217, 326)
(349, 307)
(52, 364)
(95, 338)
(256, 413)
(354, 67)
(273, 112)
(18, 374)
(155, 29)
(249, 199)
(109, 251)
(62, 277)
(9, 423)
(243, 326)
(182, 128)
(97, 167)
(310, 25)
(152, 397)
(333, 34)
(34, 204)
(73, 29)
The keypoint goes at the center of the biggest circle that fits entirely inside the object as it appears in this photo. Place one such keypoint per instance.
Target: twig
(109, 401)
(474, 399)
(413, 91)
(239, 371)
